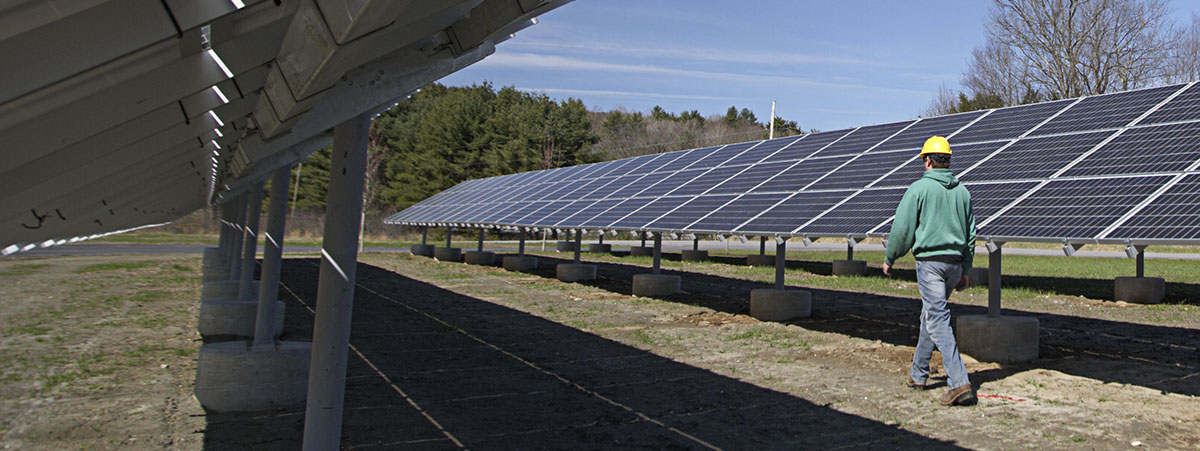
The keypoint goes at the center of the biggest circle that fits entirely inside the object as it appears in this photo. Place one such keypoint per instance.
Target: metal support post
(250, 243)
(578, 242)
(849, 249)
(235, 252)
(424, 234)
(449, 234)
(521, 244)
(1141, 261)
(994, 252)
(657, 253)
(643, 238)
(780, 262)
(696, 244)
(268, 288)
(223, 231)
(481, 232)
(601, 238)
(762, 245)
(335, 289)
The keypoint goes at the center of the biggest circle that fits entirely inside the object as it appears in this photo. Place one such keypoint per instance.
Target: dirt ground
(450, 356)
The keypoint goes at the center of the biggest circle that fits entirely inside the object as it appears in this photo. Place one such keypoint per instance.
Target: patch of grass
(772, 337)
(144, 296)
(115, 266)
(179, 267)
(22, 269)
(153, 322)
(643, 337)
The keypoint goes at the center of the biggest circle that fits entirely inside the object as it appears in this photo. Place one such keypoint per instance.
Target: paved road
(506, 246)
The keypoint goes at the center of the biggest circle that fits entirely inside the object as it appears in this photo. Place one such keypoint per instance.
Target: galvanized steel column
(268, 288)
(521, 246)
(237, 219)
(223, 231)
(657, 253)
(578, 244)
(780, 262)
(335, 290)
(250, 243)
(994, 280)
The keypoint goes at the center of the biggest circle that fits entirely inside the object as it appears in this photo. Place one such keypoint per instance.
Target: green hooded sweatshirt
(934, 218)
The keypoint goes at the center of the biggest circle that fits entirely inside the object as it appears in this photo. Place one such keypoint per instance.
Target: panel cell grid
(612, 185)
(484, 212)
(1032, 158)
(689, 212)
(793, 212)
(800, 175)
(726, 218)
(634, 187)
(659, 161)
(1079, 208)
(1008, 123)
(807, 146)
(1173, 215)
(549, 193)
(859, 214)
(763, 150)
(914, 137)
(551, 216)
(863, 170)
(862, 139)
(588, 187)
(686, 159)
(987, 199)
(668, 184)
(722, 155)
(707, 181)
(650, 212)
(1184, 107)
(618, 211)
(964, 157)
(516, 214)
(1105, 111)
(534, 219)
(751, 177)
(576, 218)
(1162, 148)
(495, 215)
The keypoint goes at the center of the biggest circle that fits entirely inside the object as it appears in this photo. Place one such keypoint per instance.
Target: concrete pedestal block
(760, 260)
(233, 377)
(600, 248)
(694, 256)
(565, 246)
(424, 250)
(1142, 290)
(641, 251)
(770, 304)
(225, 289)
(518, 263)
(574, 272)
(1002, 339)
(485, 258)
(212, 256)
(977, 276)
(214, 273)
(654, 285)
(849, 268)
(448, 254)
(226, 317)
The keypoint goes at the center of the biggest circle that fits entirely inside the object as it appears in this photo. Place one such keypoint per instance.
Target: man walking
(934, 220)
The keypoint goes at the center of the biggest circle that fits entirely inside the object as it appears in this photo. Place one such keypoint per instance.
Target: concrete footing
(1141, 290)
(849, 268)
(233, 377)
(424, 250)
(599, 248)
(214, 273)
(770, 304)
(485, 258)
(575, 272)
(564, 246)
(228, 317)
(760, 260)
(518, 263)
(225, 289)
(1002, 339)
(212, 256)
(977, 276)
(694, 256)
(641, 251)
(653, 285)
(448, 254)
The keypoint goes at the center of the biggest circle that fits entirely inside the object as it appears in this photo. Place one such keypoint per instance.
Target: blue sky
(828, 65)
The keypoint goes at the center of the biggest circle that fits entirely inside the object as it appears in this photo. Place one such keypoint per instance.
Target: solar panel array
(1111, 168)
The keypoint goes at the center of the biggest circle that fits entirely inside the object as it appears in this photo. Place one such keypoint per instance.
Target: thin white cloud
(552, 62)
(653, 95)
(758, 57)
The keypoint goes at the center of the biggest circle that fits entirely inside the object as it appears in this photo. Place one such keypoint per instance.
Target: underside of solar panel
(1112, 168)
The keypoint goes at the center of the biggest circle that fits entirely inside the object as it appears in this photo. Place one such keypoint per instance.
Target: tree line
(443, 135)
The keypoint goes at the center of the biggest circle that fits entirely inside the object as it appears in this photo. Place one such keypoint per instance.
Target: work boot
(908, 382)
(961, 395)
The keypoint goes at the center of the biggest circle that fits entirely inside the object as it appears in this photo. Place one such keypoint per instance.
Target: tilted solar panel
(649, 212)
(1184, 107)
(1105, 111)
(795, 210)
(1073, 208)
(859, 214)
(863, 170)
(732, 215)
(807, 146)
(1161, 148)
(862, 139)
(914, 136)
(1172, 215)
(1008, 123)
(689, 212)
(1032, 158)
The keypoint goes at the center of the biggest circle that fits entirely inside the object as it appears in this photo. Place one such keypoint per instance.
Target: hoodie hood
(943, 176)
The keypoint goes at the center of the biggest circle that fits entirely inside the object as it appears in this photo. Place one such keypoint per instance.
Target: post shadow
(498, 378)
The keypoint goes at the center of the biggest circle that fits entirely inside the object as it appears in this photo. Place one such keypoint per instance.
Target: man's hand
(962, 283)
(887, 269)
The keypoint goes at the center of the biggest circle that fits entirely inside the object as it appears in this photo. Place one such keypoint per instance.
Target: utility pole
(771, 133)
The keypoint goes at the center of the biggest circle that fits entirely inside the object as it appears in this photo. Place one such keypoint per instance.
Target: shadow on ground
(449, 371)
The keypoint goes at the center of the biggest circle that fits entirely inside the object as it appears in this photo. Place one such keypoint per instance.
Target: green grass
(773, 337)
(22, 269)
(115, 266)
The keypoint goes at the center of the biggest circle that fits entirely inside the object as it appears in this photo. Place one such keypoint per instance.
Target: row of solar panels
(1101, 168)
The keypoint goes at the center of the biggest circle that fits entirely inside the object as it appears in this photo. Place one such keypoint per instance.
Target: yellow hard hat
(936, 144)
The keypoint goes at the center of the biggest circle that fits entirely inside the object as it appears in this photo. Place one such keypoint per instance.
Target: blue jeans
(936, 280)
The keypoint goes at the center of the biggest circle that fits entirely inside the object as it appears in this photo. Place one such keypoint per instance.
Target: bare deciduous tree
(1184, 65)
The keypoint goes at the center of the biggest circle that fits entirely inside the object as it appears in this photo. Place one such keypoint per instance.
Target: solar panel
(721, 155)
(767, 148)
(686, 159)
(914, 137)
(548, 208)
(611, 184)
(1162, 148)
(1105, 111)
(689, 212)
(636, 186)
(730, 216)
(671, 182)
(792, 213)
(562, 213)
(862, 139)
(1184, 107)
(1032, 158)
(1172, 215)
(751, 177)
(577, 218)
(989, 198)
(800, 175)
(1076, 208)
(651, 211)
(708, 180)
(863, 170)
(860, 214)
(807, 146)
(611, 215)
(964, 157)
(657, 162)
(1008, 123)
